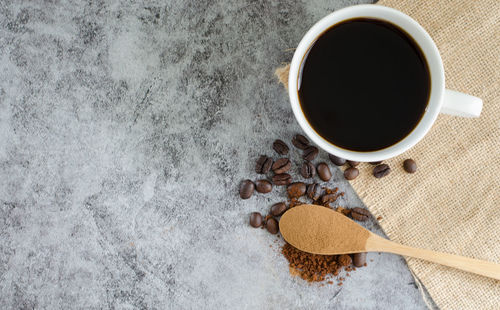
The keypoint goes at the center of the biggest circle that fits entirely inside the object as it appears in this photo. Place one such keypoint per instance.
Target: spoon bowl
(320, 230)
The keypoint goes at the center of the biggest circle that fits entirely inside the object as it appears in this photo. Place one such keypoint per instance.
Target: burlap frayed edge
(282, 74)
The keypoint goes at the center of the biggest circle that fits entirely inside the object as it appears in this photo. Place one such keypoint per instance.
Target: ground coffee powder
(310, 267)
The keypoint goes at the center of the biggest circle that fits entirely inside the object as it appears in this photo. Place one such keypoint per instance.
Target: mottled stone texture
(125, 128)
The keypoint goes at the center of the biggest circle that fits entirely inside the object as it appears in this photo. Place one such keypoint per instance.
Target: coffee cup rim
(429, 49)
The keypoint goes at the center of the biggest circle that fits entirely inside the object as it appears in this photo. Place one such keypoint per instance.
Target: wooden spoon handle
(481, 267)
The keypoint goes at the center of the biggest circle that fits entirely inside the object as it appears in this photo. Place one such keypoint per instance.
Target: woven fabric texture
(452, 203)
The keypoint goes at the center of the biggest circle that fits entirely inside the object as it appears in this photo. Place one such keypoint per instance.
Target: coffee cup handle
(460, 104)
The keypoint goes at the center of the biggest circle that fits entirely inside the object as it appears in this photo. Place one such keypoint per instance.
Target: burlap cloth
(452, 203)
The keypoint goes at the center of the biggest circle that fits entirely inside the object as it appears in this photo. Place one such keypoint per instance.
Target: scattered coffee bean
(246, 189)
(324, 172)
(310, 153)
(263, 165)
(278, 209)
(337, 160)
(376, 162)
(344, 260)
(282, 179)
(296, 189)
(280, 147)
(255, 219)
(360, 214)
(272, 226)
(359, 259)
(353, 163)
(307, 170)
(263, 186)
(282, 165)
(314, 191)
(381, 171)
(410, 165)
(300, 142)
(351, 173)
(320, 195)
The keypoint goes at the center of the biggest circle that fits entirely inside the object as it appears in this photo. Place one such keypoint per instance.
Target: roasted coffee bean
(300, 142)
(314, 191)
(359, 259)
(375, 162)
(278, 209)
(381, 171)
(263, 165)
(360, 214)
(255, 219)
(410, 165)
(307, 170)
(282, 179)
(263, 186)
(324, 172)
(351, 173)
(310, 153)
(272, 226)
(337, 160)
(296, 189)
(353, 163)
(246, 189)
(282, 165)
(280, 147)
(344, 260)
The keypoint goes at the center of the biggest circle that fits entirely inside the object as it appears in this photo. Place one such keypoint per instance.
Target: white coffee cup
(440, 100)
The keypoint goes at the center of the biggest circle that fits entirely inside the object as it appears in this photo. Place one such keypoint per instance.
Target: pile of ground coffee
(314, 267)
(310, 267)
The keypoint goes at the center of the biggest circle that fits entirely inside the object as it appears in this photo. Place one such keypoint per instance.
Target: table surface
(125, 129)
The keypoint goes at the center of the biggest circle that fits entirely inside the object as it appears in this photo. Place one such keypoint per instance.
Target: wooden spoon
(319, 230)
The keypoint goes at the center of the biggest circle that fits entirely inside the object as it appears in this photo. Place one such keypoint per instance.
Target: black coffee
(365, 85)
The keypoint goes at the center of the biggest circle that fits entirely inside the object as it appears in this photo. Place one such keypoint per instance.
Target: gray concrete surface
(125, 129)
